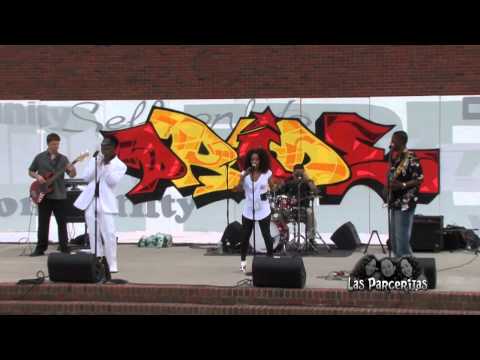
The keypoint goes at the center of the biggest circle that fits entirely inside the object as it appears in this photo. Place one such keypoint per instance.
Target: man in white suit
(110, 169)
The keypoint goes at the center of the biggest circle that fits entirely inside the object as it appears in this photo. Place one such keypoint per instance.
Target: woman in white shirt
(256, 181)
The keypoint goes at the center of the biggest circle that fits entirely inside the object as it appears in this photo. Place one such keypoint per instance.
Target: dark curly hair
(402, 135)
(264, 165)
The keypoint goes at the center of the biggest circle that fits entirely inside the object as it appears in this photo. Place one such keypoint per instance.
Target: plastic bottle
(168, 241)
(160, 240)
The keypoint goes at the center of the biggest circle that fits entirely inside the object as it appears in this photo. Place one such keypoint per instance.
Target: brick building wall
(238, 71)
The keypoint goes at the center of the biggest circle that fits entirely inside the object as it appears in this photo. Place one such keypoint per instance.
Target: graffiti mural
(355, 137)
(176, 149)
(185, 156)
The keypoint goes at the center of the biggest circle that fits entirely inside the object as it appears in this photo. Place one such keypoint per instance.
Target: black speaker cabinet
(346, 237)
(278, 272)
(427, 233)
(72, 214)
(232, 236)
(429, 270)
(75, 268)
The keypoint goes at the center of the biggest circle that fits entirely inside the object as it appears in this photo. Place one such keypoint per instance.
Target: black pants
(247, 232)
(45, 209)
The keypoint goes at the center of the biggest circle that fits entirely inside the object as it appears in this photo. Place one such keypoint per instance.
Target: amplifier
(72, 214)
(427, 233)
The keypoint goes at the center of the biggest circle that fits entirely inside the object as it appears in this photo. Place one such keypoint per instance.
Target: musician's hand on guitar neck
(396, 185)
(70, 169)
(41, 179)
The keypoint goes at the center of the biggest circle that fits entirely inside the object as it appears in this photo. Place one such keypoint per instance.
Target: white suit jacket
(108, 176)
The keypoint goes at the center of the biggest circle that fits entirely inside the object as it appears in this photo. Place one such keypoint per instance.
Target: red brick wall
(239, 71)
(58, 298)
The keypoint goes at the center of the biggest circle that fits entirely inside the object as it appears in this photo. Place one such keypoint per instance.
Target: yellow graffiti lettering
(325, 166)
(197, 145)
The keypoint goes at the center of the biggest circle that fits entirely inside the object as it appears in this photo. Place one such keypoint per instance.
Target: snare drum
(283, 203)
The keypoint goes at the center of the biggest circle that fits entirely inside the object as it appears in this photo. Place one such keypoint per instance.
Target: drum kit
(287, 215)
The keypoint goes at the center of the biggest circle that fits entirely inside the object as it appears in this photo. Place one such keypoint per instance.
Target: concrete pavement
(458, 271)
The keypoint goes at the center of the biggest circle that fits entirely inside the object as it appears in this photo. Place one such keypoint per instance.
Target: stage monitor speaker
(429, 270)
(232, 237)
(76, 268)
(427, 233)
(72, 214)
(346, 237)
(278, 272)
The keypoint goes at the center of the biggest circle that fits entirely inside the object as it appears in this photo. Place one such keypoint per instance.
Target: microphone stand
(228, 199)
(299, 183)
(391, 227)
(97, 193)
(253, 211)
(298, 213)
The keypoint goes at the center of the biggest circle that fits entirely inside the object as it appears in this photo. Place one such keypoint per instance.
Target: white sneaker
(243, 266)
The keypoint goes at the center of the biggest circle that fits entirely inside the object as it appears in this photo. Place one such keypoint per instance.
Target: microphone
(95, 154)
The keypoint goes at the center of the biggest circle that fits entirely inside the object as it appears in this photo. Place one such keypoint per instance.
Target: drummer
(307, 190)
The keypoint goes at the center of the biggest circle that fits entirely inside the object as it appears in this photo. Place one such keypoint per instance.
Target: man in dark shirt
(300, 185)
(47, 162)
(405, 177)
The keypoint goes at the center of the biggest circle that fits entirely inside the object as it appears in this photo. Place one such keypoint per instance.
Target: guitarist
(51, 161)
(405, 178)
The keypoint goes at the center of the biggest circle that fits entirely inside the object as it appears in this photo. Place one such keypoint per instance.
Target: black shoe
(37, 253)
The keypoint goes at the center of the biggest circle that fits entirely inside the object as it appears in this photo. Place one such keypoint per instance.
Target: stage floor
(457, 271)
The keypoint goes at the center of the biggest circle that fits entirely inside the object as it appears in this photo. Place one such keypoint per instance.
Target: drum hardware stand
(317, 234)
(297, 236)
(374, 232)
(310, 245)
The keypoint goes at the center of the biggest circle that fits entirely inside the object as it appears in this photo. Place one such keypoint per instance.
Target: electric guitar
(38, 191)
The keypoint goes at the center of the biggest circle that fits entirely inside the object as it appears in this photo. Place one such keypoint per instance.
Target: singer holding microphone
(256, 181)
(110, 170)
(405, 177)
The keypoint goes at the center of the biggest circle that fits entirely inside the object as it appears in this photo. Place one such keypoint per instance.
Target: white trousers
(105, 231)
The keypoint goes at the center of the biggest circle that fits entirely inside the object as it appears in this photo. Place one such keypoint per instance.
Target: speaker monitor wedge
(75, 268)
(346, 237)
(278, 272)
